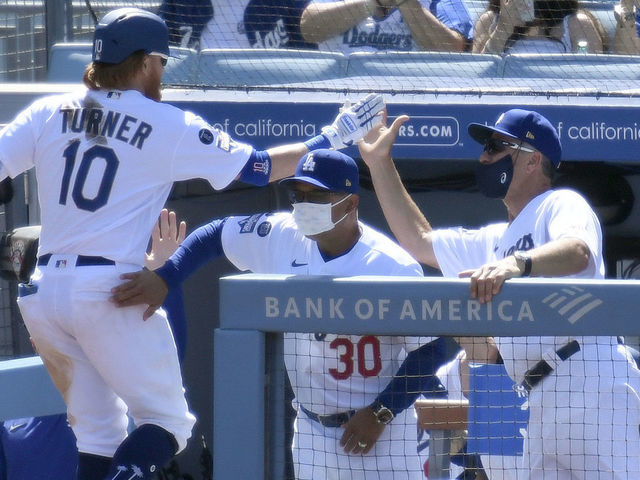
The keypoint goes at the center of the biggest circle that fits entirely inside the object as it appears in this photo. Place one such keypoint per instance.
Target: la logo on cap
(347, 183)
(309, 164)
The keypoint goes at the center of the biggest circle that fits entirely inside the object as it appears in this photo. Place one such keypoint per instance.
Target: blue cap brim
(312, 181)
(481, 133)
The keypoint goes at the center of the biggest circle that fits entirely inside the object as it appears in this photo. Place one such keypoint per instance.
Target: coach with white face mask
(344, 427)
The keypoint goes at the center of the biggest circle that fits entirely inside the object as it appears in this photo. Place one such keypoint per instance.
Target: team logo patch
(206, 136)
(264, 228)
(114, 94)
(223, 142)
(247, 225)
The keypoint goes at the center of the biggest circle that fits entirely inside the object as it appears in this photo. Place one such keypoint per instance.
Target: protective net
(514, 47)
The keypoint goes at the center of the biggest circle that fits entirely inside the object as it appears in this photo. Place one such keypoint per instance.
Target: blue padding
(575, 65)
(27, 390)
(432, 64)
(182, 67)
(495, 412)
(256, 66)
(67, 62)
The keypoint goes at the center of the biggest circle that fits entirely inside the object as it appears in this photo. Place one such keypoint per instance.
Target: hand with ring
(361, 432)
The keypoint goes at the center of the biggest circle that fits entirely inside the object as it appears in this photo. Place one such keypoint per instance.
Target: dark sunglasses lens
(295, 196)
(163, 61)
(493, 146)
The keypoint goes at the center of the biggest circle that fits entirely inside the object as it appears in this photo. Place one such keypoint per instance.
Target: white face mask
(315, 218)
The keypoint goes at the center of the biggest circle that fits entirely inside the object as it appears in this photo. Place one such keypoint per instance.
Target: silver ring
(362, 445)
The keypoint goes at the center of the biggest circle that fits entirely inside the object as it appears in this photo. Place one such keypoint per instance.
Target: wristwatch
(382, 413)
(525, 258)
(624, 16)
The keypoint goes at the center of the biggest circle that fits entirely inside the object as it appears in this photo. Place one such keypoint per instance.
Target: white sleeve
(572, 217)
(207, 152)
(251, 243)
(458, 249)
(18, 141)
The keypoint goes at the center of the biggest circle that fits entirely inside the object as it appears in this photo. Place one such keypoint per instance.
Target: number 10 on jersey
(96, 157)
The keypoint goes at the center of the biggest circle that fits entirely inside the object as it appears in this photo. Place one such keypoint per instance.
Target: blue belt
(542, 369)
(81, 260)
(332, 421)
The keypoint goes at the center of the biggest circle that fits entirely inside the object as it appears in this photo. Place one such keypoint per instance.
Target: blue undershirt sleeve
(417, 374)
(202, 245)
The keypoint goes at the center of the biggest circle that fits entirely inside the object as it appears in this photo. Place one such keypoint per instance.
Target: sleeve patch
(206, 136)
(247, 225)
(264, 228)
(223, 142)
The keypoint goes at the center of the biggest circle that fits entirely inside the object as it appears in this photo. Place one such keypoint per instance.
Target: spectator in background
(627, 36)
(237, 24)
(370, 25)
(186, 19)
(538, 26)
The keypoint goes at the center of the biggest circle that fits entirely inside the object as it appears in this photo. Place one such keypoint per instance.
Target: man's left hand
(361, 432)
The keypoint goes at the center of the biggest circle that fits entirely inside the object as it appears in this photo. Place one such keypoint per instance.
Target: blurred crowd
(347, 26)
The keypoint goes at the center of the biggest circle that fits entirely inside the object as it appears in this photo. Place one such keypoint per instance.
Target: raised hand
(354, 121)
(166, 237)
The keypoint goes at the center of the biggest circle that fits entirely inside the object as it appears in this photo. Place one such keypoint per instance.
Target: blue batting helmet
(124, 31)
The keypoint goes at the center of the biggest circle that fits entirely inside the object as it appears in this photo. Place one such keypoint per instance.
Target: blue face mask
(494, 179)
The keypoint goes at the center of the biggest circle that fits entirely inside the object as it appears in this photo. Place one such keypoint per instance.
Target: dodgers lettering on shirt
(359, 37)
(95, 122)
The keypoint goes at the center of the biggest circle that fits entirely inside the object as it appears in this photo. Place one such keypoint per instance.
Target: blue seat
(572, 66)
(256, 66)
(67, 62)
(431, 64)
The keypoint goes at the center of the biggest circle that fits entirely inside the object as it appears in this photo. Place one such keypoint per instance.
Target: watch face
(384, 415)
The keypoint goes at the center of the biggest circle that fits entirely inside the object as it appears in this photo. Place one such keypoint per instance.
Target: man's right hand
(142, 288)
(376, 145)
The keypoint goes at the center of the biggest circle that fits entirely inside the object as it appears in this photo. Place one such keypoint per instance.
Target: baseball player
(105, 158)
(583, 400)
(44, 448)
(340, 426)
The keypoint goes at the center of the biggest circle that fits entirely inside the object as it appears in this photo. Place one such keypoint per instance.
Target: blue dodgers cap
(124, 31)
(327, 169)
(527, 126)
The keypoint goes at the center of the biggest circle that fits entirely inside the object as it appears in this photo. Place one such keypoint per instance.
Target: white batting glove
(354, 121)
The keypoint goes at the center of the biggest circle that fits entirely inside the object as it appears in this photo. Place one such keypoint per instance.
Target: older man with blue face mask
(582, 390)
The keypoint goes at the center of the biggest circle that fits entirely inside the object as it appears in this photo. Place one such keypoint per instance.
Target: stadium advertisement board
(435, 131)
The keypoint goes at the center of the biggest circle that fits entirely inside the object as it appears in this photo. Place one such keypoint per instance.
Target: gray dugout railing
(252, 305)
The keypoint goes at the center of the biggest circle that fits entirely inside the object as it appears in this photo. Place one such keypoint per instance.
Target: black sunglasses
(496, 145)
(163, 58)
(315, 196)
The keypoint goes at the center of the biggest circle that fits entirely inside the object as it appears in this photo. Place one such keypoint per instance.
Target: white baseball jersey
(334, 373)
(584, 417)
(550, 216)
(105, 163)
(329, 373)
